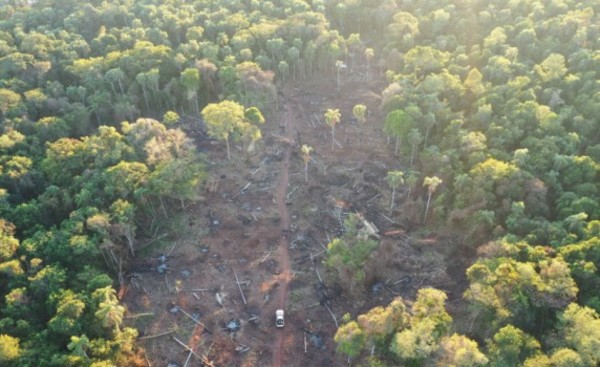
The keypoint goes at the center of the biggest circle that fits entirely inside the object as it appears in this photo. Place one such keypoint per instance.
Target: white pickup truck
(279, 318)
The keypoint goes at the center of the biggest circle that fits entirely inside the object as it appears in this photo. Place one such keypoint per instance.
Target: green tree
(416, 343)
(284, 69)
(339, 66)
(117, 76)
(350, 339)
(580, 328)
(511, 346)
(460, 351)
(552, 68)
(369, 55)
(8, 101)
(190, 79)
(110, 312)
(226, 120)
(397, 124)
(379, 323)
(432, 183)
(170, 118)
(347, 256)
(411, 180)
(332, 118)
(394, 180)
(359, 111)
(306, 150)
(415, 138)
(9, 348)
(79, 346)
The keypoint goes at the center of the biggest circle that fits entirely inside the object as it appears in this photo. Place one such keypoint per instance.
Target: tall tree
(306, 150)
(110, 312)
(339, 66)
(397, 124)
(411, 181)
(369, 55)
(432, 183)
(415, 138)
(394, 180)
(227, 119)
(359, 111)
(190, 79)
(332, 118)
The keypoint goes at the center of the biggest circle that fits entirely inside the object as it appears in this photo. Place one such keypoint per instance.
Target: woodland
(490, 111)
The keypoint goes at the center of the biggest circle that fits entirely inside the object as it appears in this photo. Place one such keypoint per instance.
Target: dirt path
(284, 256)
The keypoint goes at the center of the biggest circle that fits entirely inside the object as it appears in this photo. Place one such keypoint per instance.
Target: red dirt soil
(284, 256)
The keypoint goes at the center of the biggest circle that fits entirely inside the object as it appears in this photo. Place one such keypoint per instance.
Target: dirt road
(284, 256)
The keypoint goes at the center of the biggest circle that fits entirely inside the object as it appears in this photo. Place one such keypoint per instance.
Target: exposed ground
(261, 222)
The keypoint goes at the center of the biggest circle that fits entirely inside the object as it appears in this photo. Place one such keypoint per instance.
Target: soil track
(284, 256)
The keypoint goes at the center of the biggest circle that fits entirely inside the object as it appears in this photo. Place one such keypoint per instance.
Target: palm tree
(411, 180)
(394, 179)
(415, 138)
(369, 54)
(306, 158)
(432, 183)
(339, 65)
(359, 111)
(332, 117)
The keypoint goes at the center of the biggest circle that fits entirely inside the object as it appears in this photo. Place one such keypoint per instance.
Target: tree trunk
(306, 172)
(427, 208)
(227, 145)
(396, 147)
(146, 98)
(332, 137)
(393, 197)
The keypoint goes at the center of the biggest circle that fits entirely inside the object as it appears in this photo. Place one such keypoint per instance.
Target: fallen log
(396, 232)
(157, 335)
(239, 287)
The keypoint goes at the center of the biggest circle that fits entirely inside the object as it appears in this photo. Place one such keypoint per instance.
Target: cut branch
(194, 319)
(332, 315)
(157, 335)
(186, 347)
(242, 190)
(239, 287)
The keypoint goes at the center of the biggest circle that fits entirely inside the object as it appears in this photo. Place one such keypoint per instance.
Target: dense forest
(491, 108)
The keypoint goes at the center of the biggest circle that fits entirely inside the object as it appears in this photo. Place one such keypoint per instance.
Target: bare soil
(260, 220)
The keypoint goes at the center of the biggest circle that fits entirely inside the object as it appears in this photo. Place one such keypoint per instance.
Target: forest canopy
(493, 109)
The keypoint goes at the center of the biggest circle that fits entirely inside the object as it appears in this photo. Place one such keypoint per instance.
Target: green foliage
(510, 346)
(499, 100)
(9, 348)
(350, 339)
(520, 291)
(228, 120)
(412, 335)
(332, 118)
(347, 256)
(579, 326)
(397, 124)
(460, 351)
